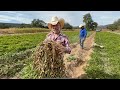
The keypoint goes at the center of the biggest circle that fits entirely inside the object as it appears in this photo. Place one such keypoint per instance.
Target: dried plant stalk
(48, 60)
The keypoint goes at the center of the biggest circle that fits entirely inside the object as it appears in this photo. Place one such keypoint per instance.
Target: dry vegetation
(48, 60)
(28, 30)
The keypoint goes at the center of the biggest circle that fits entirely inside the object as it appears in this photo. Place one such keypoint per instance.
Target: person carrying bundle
(55, 34)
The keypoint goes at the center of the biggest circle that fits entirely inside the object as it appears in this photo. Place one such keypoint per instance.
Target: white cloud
(17, 17)
(73, 17)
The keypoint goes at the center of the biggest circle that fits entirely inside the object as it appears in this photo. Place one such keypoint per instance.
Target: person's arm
(67, 46)
(85, 33)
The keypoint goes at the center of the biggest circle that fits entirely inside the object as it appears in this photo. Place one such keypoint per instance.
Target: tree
(22, 25)
(94, 25)
(112, 27)
(38, 23)
(90, 24)
(3, 26)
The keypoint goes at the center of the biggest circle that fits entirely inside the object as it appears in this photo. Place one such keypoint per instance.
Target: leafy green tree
(112, 27)
(89, 23)
(38, 23)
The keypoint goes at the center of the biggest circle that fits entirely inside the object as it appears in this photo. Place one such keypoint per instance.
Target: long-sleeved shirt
(61, 38)
(83, 33)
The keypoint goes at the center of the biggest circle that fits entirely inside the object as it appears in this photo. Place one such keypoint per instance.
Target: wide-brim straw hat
(55, 20)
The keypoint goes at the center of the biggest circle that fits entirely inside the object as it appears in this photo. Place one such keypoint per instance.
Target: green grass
(30, 30)
(105, 63)
(17, 43)
(71, 58)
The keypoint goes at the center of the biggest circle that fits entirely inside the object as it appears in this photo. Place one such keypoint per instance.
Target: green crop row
(105, 63)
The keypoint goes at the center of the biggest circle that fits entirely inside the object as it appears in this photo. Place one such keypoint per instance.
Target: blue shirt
(83, 33)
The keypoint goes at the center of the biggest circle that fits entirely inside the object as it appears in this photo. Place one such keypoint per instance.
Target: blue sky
(75, 18)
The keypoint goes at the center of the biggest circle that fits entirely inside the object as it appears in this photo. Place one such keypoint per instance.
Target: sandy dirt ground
(75, 68)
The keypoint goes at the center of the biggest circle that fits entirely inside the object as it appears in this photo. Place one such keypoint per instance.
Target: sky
(75, 18)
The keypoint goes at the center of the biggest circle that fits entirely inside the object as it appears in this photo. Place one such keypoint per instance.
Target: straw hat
(55, 20)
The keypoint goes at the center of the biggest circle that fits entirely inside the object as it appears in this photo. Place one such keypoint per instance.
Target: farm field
(16, 50)
(105, 63)
(93, 51)
(28, 30)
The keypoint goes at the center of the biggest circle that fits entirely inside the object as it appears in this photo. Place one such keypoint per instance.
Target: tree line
(35, 23)
(114, 26)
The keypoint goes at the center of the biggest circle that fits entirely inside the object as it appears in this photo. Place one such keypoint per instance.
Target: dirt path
(75, 67)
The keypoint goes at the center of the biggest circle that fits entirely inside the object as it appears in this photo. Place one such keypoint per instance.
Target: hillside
(103, 26)
(11, 24)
